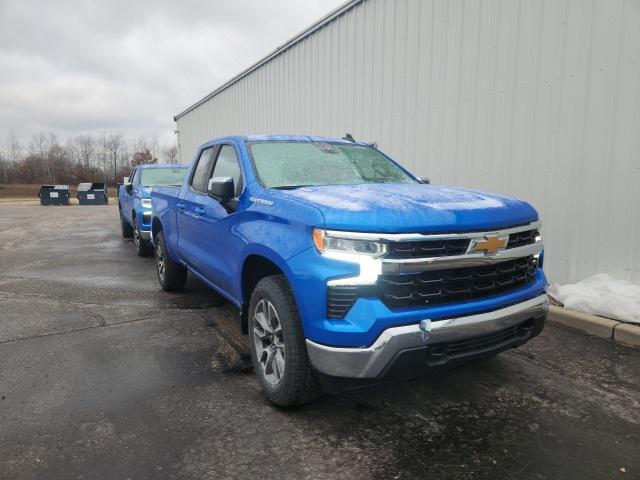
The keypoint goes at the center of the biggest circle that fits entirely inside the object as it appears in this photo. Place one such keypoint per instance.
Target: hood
(145, 192)
(412, 208)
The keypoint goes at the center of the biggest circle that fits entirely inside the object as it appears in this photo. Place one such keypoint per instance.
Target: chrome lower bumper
(369, 362)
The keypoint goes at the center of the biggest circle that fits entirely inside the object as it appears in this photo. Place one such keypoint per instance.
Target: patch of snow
(601, 295)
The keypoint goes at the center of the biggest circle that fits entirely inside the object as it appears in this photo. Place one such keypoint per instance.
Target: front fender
(255, 249)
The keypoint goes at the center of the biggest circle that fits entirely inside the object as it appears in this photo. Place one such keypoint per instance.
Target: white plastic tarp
(601, 295)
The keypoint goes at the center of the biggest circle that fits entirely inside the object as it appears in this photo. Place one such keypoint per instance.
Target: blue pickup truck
(134, 200)
(346, 269)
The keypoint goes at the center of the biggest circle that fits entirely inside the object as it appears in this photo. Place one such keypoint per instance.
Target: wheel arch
(255, 267)
(156, 226)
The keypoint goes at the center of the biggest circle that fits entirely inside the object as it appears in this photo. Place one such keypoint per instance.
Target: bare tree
(4, 170)
(170, 154)
(14, 147)
(37, 157)
(86, 146)
(113, 144)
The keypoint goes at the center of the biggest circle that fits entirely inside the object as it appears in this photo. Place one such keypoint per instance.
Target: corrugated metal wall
(536, 99)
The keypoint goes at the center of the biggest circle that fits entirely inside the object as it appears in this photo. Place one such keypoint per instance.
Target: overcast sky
(74, 67)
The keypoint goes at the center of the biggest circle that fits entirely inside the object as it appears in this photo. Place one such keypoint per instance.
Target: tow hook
(425, 328)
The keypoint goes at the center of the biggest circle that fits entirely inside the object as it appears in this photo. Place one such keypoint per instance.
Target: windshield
(295, 164)
(157, 177)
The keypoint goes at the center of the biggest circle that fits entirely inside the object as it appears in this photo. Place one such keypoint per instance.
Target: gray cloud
(75, 67)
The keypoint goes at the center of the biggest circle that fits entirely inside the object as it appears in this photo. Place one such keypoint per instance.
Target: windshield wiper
(290, 187)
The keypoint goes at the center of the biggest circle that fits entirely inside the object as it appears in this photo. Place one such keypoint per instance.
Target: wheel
(277, 345)
(127, 231)
(142, 246)
(171, 275)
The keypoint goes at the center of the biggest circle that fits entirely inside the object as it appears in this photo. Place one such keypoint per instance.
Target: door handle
(199, 211)
(180, 206)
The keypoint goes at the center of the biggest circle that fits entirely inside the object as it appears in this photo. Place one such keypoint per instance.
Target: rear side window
(199, 179)
(227, 165)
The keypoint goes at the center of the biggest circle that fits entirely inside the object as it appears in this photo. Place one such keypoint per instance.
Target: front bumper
(144, 221)
(430, 340)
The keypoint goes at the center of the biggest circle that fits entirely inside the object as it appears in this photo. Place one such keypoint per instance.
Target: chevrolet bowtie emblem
(489, 245)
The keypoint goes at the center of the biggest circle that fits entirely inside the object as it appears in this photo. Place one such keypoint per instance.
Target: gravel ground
(104, 376)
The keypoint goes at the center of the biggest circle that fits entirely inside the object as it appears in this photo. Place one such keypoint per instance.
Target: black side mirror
(424, 180)
(128, 187)
(221, 188)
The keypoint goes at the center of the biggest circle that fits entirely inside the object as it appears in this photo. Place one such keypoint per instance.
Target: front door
(219, 246)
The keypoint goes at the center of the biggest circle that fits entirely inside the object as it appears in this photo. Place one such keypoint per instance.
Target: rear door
(189, 211)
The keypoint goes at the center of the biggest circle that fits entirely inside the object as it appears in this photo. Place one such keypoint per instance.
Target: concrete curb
(619, 332)
(627, 334)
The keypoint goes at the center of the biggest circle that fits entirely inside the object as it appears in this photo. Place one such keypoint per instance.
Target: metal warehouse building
(539, 99)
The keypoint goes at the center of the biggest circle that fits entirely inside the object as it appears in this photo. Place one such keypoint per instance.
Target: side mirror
(128, 187)
(426, 180)
(221, 188)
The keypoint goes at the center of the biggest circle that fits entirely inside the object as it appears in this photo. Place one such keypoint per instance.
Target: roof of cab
(162, 165)
(283, 138)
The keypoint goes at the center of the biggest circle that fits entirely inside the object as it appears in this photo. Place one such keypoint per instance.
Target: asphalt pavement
(105, 376)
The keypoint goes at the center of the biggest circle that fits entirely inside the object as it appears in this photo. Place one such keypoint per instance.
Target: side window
(199, 179)
(227, 165)
(132, 177)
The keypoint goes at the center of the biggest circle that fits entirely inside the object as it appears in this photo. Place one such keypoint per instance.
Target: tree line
(83, 158)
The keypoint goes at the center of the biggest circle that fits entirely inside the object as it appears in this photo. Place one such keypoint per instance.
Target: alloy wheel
(136, 234)
(160, 260)
(268, 342)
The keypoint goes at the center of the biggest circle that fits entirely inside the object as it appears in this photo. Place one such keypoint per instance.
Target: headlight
(326, 241)
(145, 202)
(345, 246)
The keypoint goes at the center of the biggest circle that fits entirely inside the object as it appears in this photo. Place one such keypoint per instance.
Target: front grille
(428, 248)
(438, 287)
(455, 285)
(520, 239)
(449, 247)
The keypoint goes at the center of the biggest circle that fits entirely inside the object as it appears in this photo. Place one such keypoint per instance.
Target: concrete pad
(627, 334)
(584, 322)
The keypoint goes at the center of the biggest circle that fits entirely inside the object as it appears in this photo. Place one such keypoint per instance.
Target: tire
(291, 380)
(142, 246)
(127, 230)
(171, 275)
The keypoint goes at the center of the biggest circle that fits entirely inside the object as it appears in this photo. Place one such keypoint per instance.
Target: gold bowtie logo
(490, 244)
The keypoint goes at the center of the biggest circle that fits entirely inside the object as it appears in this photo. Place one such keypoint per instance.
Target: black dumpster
(92, 193)
(54, 194)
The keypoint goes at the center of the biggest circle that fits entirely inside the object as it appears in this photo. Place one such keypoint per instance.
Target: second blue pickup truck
(346, 269)
(134, 200)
